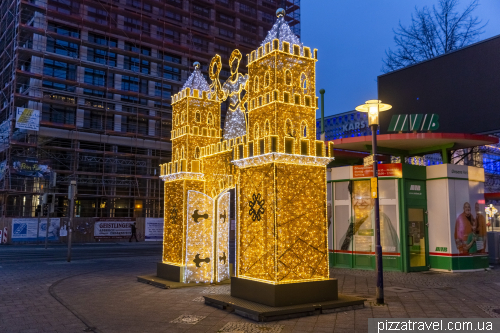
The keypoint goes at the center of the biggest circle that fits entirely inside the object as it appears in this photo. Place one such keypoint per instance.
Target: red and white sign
(393, 170)
(4, 235)
(113, 227)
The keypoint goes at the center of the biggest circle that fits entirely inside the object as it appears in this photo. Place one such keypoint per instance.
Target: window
(268, 18)
(256, 84)
(288, 77)
(58, 86)
(304, 129)
(226, 19)
(269, 4)
(168, 34)
(138, 4)
(163, 90)
(63, 30)
(267, 79)
(201, 24)
(223, 50)
(200, 43)
(256, 132)
(130, 83)
(201, 10)
(98, 120)
(101, 57)
(226, 33)
(248, 40)
(175, 3)
(136, 64)
(65, 6)
(169, 57)
(95, 77)
(58, 69)
(102, 40)
(62, 47)
(210, 119)
(99, 15)
(135, 25)
(303, 82)
(137, 49)
(132, 124)
(248, 27)
(197, 117)
(58, 114)
(248, 10)
(169, 72)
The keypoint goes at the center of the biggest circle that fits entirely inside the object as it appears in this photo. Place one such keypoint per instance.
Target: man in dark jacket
(134, 234)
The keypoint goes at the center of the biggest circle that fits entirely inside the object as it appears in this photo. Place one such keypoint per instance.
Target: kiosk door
(417, 239)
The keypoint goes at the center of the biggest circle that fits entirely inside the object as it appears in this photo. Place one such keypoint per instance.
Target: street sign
(368, 160)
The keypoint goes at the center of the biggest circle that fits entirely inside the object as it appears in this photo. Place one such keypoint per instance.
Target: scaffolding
(101, 73)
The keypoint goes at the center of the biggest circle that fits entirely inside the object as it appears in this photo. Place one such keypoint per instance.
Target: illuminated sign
(414, 122)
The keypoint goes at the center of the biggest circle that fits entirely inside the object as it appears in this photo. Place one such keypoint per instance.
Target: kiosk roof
(408, 144)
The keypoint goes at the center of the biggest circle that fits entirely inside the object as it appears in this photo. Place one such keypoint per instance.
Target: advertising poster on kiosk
(470, 230)
(29, 229)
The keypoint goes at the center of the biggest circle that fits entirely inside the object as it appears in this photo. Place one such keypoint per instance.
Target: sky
(352, 36)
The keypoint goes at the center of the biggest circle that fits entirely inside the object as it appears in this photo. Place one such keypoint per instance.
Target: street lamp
(373, 107)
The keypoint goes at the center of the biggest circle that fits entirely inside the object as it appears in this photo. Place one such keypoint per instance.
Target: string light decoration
(275, 159)
(235, 122)
(222, 243)
(199, 244)
(196, 111)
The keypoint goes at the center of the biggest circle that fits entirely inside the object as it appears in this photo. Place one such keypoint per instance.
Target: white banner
(28, 119)
(28, 229)
(114, 227)
(154, 229)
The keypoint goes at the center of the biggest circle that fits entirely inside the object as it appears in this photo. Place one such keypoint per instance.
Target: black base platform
(260, 312)
(284, 294)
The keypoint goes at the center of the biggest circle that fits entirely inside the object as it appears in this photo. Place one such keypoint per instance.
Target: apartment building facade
(97, 76)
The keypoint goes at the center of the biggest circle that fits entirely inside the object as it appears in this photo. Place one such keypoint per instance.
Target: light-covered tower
(196, 124)
(282, 223)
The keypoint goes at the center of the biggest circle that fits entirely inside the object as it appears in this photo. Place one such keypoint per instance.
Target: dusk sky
(351, 38)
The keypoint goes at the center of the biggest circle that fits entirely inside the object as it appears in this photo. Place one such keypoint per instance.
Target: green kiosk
(431, 217)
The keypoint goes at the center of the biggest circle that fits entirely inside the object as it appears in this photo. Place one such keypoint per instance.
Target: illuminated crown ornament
(281, 31)
(196, 80)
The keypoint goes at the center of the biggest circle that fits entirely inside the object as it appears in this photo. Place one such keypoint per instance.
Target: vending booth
(431, 217)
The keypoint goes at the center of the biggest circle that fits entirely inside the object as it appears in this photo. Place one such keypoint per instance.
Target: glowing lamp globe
(373, 107)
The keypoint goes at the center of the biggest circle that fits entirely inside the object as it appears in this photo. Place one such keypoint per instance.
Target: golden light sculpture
(271, 157)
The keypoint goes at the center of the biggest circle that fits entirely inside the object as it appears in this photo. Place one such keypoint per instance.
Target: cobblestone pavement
(103, 295)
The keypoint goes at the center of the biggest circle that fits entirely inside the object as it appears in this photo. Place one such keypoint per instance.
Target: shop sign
(414, 122)
(113, 227)
(392, 170)
(357, 125)
(416, 190)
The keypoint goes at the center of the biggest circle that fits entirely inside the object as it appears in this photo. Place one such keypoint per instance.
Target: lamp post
(373, 107)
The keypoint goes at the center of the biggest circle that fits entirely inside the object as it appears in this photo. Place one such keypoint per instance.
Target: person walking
(134, 234)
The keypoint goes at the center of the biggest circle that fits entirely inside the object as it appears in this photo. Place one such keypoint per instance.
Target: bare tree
(433, 32)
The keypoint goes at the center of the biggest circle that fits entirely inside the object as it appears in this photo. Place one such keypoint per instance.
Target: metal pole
(71, 193)
(378, 247)
(322, 92)
(47, 226)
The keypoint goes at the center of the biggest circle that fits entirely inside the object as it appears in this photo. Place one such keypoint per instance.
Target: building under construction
(94, 78)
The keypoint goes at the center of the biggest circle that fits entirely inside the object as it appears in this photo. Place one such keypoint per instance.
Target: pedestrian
(134, 234)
